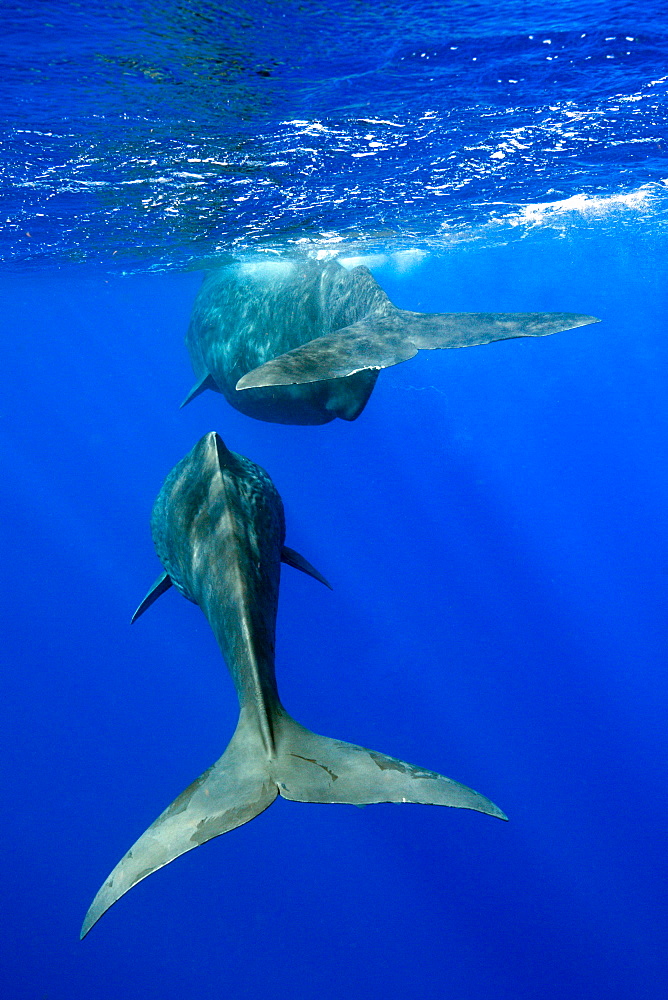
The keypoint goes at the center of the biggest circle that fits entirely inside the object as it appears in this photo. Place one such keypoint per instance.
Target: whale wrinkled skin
(302, 341)
(218, 528)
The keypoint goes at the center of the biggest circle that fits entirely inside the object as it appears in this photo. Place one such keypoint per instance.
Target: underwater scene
(367, 300)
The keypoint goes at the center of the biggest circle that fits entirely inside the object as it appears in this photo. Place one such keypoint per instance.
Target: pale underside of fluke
(244, 782)
(380, 341)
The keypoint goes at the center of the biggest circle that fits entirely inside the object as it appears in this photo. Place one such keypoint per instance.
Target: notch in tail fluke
(382, 341)
(244, 782)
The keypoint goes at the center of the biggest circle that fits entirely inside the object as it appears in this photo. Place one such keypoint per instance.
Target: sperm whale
(303, 341)
(218, 528)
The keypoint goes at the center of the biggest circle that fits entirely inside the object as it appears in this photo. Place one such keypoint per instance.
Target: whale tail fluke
(236, 789)
(379, 341)
(312, 768)
(304, 767)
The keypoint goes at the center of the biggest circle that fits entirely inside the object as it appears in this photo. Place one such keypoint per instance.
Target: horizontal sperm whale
(302, 341)
(218, 529)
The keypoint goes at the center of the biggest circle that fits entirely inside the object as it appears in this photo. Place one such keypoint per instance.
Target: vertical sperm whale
(219, 529)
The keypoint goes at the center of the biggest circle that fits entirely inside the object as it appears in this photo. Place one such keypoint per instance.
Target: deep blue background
(494, 526)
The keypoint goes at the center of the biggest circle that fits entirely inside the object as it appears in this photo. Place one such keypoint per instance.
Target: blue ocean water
(494, 524)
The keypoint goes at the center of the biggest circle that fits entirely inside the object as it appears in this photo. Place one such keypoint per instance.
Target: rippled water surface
(164, 133)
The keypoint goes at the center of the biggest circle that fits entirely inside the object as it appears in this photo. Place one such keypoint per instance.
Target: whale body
(218, 529)
(302, 341)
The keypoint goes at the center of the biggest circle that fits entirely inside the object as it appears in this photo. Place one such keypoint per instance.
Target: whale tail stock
(379, 341)
(245, 781)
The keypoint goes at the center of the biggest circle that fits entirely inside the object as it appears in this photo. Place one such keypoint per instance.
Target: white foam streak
(586, 206)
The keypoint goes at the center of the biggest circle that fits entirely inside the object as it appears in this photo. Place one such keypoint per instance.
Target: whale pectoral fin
(233, 791)
(206, 382)
(376, 343)
(162, 584)
(429, 331)
(381, 341)
(314, 768)
(294, 559)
